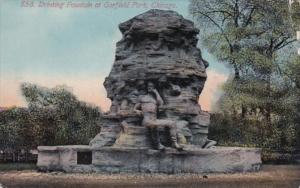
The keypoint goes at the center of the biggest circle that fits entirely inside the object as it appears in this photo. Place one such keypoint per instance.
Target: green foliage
(63, 119)
(16, 130)
(53, 117)
(258, 106)
(295, 9)
(292, 71)
(253, 131)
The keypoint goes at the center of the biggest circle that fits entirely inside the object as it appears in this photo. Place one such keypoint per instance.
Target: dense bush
(231, 130)
(53, 117)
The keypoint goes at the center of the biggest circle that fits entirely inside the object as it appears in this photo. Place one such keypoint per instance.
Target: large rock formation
(157, 47)
(161, 47)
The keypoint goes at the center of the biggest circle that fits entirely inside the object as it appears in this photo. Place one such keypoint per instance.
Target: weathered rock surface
(157, 46)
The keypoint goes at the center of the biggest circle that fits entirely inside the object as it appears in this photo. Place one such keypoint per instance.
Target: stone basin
(145, 160)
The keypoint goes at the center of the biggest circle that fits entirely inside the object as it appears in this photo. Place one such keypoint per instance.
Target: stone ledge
(61, 148)
(143, 160)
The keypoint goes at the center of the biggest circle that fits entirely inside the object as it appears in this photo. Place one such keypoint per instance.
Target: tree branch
(248, 20)
(283, 44)
(217, 25)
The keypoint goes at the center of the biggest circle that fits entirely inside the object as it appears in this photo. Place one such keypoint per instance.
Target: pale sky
(53, 46)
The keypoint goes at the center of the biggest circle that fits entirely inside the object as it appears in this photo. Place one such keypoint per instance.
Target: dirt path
(283, 176)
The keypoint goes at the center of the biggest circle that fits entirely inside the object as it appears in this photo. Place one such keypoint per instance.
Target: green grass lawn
(17, 166)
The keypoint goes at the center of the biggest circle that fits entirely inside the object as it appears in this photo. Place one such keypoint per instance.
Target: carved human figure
(147, 106)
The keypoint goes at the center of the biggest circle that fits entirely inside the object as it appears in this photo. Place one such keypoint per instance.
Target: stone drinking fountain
(155, 123)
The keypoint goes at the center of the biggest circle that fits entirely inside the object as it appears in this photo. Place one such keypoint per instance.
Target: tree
(53, 117)
(225, 24)
(295, 11)
(14, 128)
(253, 37)
(292, 71)
(61, 117)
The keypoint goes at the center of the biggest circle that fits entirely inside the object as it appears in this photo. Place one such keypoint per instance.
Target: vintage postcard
(150, 93)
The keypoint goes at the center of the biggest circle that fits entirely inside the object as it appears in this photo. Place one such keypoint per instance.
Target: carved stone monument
(157, 47)
(155, 123)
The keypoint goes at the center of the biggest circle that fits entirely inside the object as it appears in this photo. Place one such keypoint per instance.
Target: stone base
(140, 160)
